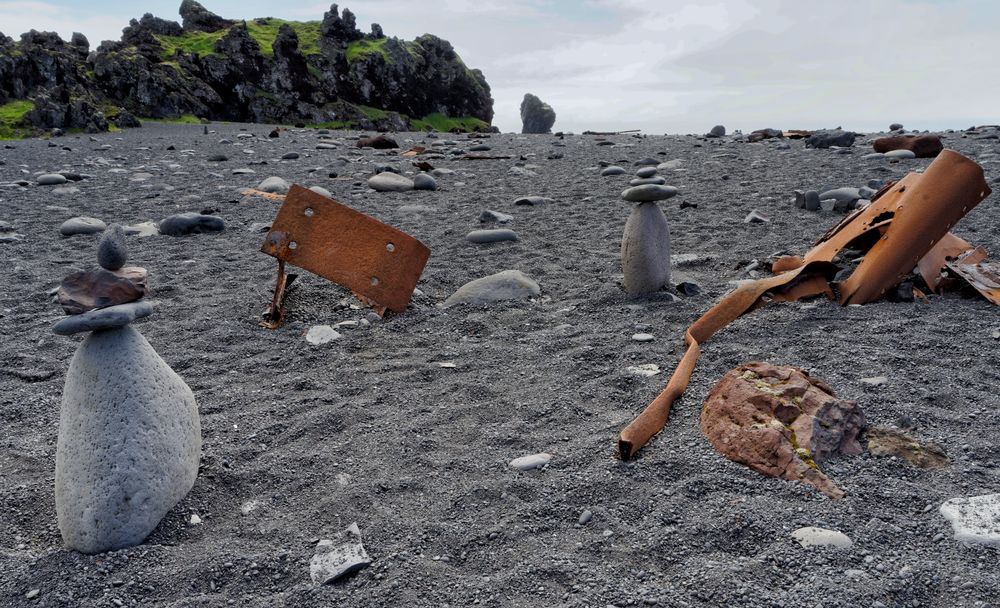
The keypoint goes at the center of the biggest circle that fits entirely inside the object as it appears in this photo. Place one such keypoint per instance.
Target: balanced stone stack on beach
(129, 434)
(646, 240)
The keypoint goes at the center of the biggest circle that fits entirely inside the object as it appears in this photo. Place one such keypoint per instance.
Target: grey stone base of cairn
(646, 250)
(129, 442)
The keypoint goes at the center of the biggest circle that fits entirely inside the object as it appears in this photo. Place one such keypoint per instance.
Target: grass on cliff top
(363, 48)
(203, 43)
(12, 118)
(443, 123)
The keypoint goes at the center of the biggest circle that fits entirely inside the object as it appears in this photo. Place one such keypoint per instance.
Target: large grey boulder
(129, 442)
(506, 285)
(646, 250)
(390, 182)
(536, 115)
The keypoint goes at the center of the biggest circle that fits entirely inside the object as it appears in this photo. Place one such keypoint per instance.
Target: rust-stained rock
(100, 288)
(780, 422)
(923, 146)
(892, 442)
(379, 142)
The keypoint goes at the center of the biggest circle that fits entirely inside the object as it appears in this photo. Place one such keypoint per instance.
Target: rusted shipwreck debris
(379, 263)
(905, 227)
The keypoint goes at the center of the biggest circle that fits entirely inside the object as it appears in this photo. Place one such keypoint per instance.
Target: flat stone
(646, 162)
(143, 229)
(646, 370)
(334, 559)
(643, 181)
(326, 147)
(103, 318)
(422, 181)
(490, 216)
(531, 462)
(645, 250)
(670, 165)
(244, 171)
(100, 288)
(290, 156)
(821, 537)
(649, 193)
(755, 217)
(491, 236)
(129, 442)
(612, 170)
(51, 179)
(643, 337)
(82, 225)
(531, 201)
(875, 380)
(274, 185)
(506, 285)
(390, 182)
(321, 191)
(811, 201)
(900, 154)
(645, 172)
(321, 334)
(845, 195)
(184, 224)
(975, 519)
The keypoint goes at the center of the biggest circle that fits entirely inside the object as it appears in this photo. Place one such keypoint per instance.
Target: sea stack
(129, 433)
(646, 240)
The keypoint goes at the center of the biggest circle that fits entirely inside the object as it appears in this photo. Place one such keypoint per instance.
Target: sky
(666, 66)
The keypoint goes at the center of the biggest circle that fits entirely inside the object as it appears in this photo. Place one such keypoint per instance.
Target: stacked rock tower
(129, 434)
(646, 240)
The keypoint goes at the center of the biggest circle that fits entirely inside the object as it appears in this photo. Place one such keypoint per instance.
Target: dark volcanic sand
(372, 429)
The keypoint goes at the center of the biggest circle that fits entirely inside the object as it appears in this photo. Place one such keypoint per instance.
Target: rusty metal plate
(376, 261)
(980, 273)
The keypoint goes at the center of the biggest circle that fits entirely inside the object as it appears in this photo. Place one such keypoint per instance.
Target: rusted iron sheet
(981, 274)
(260, 193)
(378, 262)
(904, 222)
(413, 151)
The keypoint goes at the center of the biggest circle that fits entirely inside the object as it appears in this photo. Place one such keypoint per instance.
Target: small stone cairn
(129, 434)
(646, 240)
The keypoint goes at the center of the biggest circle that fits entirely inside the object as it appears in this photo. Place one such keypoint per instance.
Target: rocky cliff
(265, 70)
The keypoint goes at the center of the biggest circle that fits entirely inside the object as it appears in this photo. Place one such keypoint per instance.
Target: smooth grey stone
(646, 162)
(422, 181)
(10, 237)
(821, 537)
(717, 131)
(875, 184)
(326, 147)
(480, 148)
(800, 199)
(657, 181)
(895, 126)
(841, 194)
(6, 226)
(321, 191)
(290, 156)
(82, 225)
(585, 518)
(670, 165)
(259, 227)
(866, 192)
(439, 172)
(873, 156)
(51, 179)
(111, 317)
(111, 251)
(143, 229)
(129, 442)
(530, 462)
(244, 171)
(390, 182)
(612, 170)
(491, 236)
(811, 200)
(274, 185)
(191, 223)
(531, 201)
(332, 561)
(490, 216)
(649, 193)
(782, 145)
(755, 217)
(646, 250)
(506, 285)
(218, 158)
(900, 154)
(826, 139)
(646, 172)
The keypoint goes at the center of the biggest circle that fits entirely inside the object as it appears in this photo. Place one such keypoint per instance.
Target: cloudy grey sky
(673, 66)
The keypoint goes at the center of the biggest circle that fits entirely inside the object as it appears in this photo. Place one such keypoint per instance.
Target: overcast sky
(673, 66)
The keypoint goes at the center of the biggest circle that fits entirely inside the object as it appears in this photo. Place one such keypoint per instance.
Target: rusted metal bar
(276, 312)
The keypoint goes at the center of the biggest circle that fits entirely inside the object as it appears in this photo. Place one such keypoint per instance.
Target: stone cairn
(646, 241)
(129, 434)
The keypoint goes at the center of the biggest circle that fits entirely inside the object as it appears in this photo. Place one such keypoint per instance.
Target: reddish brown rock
(379, 142)
(923, 146)
(100, 288)
(780, 422)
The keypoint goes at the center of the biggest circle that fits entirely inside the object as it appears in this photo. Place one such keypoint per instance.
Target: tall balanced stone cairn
(129, 434)
(646, 240)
